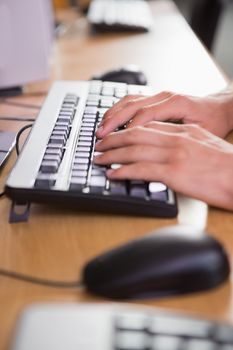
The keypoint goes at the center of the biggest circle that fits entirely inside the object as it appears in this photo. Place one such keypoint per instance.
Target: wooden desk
(56, 243)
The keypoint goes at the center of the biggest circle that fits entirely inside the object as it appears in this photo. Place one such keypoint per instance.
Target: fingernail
(97, 143)
(100, 129)
(110, 172)
(95, 159)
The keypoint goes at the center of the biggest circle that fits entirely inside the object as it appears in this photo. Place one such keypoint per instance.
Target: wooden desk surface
(56, 243)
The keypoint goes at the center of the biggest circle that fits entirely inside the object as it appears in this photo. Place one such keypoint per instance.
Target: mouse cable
(19, 104)
(28, 126)
(40, 281)
(17, 119)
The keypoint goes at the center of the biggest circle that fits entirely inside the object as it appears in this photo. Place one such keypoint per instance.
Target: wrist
(226, 179)
(227, 108)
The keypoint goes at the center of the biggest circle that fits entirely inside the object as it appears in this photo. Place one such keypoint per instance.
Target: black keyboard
(56, 162)
(120, 15)
(7, 142)
(107, 327)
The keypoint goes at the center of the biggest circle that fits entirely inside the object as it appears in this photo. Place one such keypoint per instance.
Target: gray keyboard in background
(7, 143)
(104, 327)
(120, 15)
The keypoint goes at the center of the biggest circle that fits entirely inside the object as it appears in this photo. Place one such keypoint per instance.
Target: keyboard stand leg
(19, 212)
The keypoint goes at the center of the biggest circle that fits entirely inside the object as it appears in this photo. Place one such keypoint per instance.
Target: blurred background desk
(56, 242)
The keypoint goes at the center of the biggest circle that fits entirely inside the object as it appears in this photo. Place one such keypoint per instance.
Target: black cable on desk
(18, 137)
(17, 119)
(19, 104)
(41, 281)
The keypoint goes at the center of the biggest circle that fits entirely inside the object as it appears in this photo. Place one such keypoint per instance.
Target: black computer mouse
(172, 260)
(130, 74)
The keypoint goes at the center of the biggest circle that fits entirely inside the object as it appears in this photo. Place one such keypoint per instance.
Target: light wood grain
(55, 243)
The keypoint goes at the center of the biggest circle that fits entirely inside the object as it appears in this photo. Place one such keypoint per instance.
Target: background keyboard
(105, 327)
(120, 15)
(56, 162)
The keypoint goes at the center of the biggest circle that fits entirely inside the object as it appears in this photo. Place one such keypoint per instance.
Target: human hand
(186, 158)
(214, 113)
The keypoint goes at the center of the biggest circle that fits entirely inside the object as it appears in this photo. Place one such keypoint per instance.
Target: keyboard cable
(2, 194)
(20, 276)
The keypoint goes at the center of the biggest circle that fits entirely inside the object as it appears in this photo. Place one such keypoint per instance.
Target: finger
(132, 154)
(114, 116)
(166, 127)
(140, 99)
(120, 104)
(192, 131)
(125, 111)
(174, 108)
(140, 171)
(137, 135)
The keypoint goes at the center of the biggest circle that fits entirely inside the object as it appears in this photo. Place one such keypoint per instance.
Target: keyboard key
(95, 89)
(117, 188)
(224, 334)
(167, 343)
(84, 143)
(108, 91)
(98, 172)
(92, 97)
(62, 124)
(158, 191)
(57, 140)
(53, 151)
(91, 110)
(106, 103)
(59, 133)
(63, 114)
(78, 166)
(45, 181)
(93, 103)
(77, 183)
(82, 154)
(137, 189)
(49, 166)
(89, 122)
(54, 157)
(64, 119)
(79, 160)
(131, 341)
(80, 173)
(66, 109)
(65, 129)
(86, 133)
(97, 181)
(180, 327)
(87, 128)
(85, 138)
(132, 321)
(83, 149)
(200, 345)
